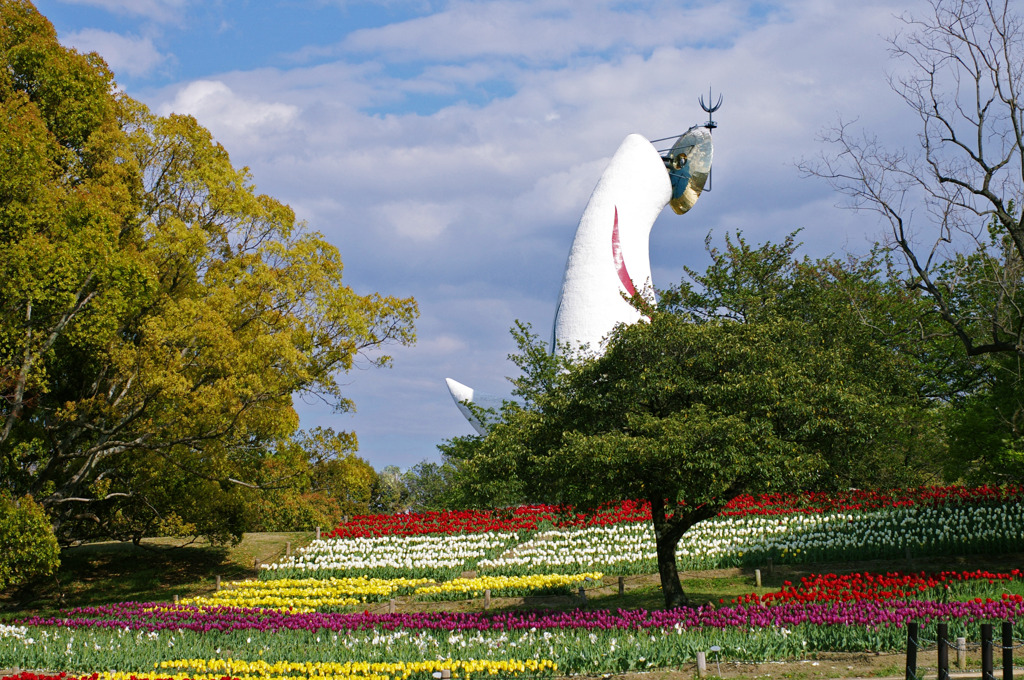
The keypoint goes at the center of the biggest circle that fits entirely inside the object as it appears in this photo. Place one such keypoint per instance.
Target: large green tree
(429, 485)
(773, 375)
(159, 315)
(986, 425)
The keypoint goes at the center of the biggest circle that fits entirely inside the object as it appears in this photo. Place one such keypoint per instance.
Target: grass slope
(154, 571)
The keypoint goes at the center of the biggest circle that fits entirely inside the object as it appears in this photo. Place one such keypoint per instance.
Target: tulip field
(324, 612)
(789, 529)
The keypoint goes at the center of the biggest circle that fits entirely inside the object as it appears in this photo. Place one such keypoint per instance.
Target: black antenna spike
(711, 124)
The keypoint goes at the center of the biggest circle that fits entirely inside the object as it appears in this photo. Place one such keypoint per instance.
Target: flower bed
(139, 639)
(313, 594)
(310, 594)
(531, 518)
(795, 538)
(788, 528)
(231, 669)
(526, 518)
(862, 500)
(507, 586)
(439, 557)
(298, 631)
(946, 585)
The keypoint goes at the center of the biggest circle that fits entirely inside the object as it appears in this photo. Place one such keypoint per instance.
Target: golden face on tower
(688, 164)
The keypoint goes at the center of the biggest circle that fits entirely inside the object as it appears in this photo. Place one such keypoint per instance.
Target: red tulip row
(877, 587)
(522, 518)
(858, 500)
(531, 517)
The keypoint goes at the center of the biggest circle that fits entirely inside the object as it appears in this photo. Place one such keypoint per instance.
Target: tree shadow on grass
(105, 573)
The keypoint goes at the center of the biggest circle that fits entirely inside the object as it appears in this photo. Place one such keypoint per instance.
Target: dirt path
(825, 666)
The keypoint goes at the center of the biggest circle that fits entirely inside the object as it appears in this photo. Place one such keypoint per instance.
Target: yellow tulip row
(304, 595)
(532, 582)
(307, 594)
(216, 669)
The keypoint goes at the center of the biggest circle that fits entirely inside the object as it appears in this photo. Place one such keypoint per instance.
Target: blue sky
(448, 148)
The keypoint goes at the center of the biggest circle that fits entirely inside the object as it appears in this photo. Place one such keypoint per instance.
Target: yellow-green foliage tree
(313, 480)
(29, 547)
(158, 313)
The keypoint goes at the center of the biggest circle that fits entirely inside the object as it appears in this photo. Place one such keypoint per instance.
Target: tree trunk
(666, 536)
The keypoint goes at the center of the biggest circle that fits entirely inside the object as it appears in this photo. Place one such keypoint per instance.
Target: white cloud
(135, 56)
(229, 114)
(443, 344)
(546, 30)
(155, 10)
(415, 219)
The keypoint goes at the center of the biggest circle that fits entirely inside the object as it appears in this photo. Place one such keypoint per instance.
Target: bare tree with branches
(953, 204)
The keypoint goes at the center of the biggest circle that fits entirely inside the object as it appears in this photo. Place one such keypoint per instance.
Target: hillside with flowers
(410, 595)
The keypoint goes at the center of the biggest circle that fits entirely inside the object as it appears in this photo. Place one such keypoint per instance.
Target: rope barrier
(988, 647)
(933, 646)
(970, 645)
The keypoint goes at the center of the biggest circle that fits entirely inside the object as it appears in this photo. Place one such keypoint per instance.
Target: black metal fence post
(1007, 650)
(912, 650)
(986, 652)
(942, 640)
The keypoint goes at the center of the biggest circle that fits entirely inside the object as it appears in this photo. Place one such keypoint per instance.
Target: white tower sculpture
(609, 258)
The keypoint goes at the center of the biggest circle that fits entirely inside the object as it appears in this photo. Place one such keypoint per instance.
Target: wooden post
(702, 664)
(256, 564)
(446, 674)
(175, 599)
(218, 582)
(757, 578)
(583, 595)
(622, 586)
(487, 599)
(942, 641)
(961, 653)
(288, 549)
(391, 606)
(1007, 650)
(986, 651)
(318, 533)
(912, 629)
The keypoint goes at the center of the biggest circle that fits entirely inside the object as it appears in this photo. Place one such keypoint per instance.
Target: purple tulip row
(151, 617)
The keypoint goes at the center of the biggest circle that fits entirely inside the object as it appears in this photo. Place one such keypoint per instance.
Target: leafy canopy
(160, 315)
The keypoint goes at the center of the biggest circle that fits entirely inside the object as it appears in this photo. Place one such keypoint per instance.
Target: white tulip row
(616, 546)
(16, 632)
(389, 555)
(734, 541)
